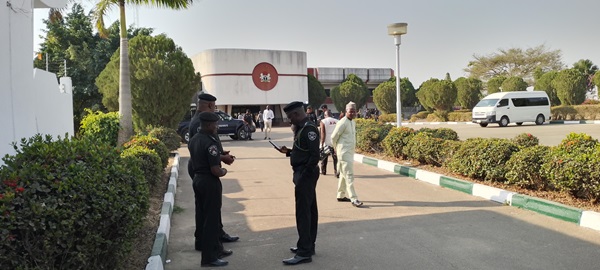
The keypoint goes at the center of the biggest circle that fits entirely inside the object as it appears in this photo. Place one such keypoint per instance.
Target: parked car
(228, 126)
(517, 107)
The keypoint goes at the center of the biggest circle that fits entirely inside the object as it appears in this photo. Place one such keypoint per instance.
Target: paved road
(547, 134)
(404, 224)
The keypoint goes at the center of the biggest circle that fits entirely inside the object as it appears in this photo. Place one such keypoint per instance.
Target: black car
(228, 126)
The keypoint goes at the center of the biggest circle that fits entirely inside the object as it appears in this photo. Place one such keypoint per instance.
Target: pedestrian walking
(268, 117)
(344, 142)
(328, 124)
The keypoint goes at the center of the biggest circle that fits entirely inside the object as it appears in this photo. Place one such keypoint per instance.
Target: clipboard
(275, 145)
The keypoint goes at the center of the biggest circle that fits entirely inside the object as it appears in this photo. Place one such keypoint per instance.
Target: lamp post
(397, 30)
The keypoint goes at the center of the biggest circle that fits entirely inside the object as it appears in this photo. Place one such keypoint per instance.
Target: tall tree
(162, 79)
(351, 89)
(544, 83)
(316, 92)
(384, 96)
(588, 69)
(468, 91)
(494, 84)
(514, 62)
(597, 80)
(514, 84)
(570, 86)
(438, 95)
(102, 7)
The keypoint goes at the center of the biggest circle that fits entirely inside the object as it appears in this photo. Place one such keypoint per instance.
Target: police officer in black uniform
(208, 191)
(206, 103)
(304, 158)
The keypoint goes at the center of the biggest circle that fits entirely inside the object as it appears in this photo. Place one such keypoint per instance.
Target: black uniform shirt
(305, 151)
(204, 152)
(194, 125)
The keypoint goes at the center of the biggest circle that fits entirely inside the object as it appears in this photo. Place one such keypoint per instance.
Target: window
(524, 102)
(503, 103)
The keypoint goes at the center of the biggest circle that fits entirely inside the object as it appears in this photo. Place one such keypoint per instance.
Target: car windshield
(487, 103)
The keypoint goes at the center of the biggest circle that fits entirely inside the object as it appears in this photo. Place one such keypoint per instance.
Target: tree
(544, 83)
(514, 62)
(570, 86)
(384, 96)
(102, 7)
(468, 91)
(438, 95)
(494, 84)
(514, 84)
(420, 94)
(351, 89)
(588, 69)
(163, 79)
(597, 80)
(316, 92)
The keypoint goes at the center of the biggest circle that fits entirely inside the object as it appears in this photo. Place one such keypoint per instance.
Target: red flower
(529, 134)
(10, 183)
(1, 196)
(19, 189)
(11, 237)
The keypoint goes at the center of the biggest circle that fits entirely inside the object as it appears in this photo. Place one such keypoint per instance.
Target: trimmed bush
(524, 140)
(397, 138)
(425, 148)
(387, 118)
(69, 204)
(440, 133)
(369, 138)
(168, 136)
(148, 161)
(153, 144)
(103, 127)
(419, 116)
(576, 112)
(483, 158)
(524, 168)
(460, 116)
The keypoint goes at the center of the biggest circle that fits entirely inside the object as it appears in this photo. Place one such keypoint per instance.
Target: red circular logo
(265, 76)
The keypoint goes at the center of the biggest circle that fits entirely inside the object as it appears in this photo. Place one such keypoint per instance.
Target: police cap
(208, 117)
(207, 97)
(292, 106)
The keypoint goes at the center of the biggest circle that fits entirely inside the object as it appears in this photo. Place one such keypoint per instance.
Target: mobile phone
(275, 145)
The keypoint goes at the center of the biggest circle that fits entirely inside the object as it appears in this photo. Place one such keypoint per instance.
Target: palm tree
(588, 69)
(102, 7)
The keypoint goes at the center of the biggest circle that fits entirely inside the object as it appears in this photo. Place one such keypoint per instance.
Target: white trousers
(346, 181)
(268, 125)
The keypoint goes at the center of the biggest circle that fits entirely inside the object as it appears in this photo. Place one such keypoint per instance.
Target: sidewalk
(404, 223)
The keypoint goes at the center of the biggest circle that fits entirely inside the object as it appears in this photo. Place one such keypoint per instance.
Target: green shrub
(387, 118)
(68, 204)
(574, 166)
(153, 144)
(460, 116)
(524, 140)
(419, 116)
(396, 139)
(448, 150)
(369, 138)
(524, 168)
(483, 158)
(103, 127)
(148, 161)
(168, 136)
(425, 148)
(440, 133)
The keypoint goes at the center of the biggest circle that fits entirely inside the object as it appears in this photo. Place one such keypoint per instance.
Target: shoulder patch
(213, 150)
(312, 135)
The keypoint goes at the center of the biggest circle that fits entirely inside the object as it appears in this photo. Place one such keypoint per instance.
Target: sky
(443, 35)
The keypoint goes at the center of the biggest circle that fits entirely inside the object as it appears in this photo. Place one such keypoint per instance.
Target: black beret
(208, 117)
(292, 106)
(207, 97)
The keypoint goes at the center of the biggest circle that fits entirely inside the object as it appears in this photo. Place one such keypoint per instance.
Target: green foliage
(103, 127)
(152, 144)
(468, 91)
(574, 166)
(387, 118)
(514, 84)
(69, 204)
(148, 162)
(570, 87)
(162, 79)
(384, 96)
(525, 140)
(440, 133)
(483, 158)
(587, 69)
(544, 83)
(494, 84)
(396, 140)
(370, 136)
(524, 168)
(437, 95)
(168, 136)
(316, 92)
(597, 79)
(576, 112)
(419, 116)
(425, 148)
(460, 116)
(351, 89)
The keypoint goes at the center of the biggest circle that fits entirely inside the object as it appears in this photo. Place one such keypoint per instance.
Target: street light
(396, 30)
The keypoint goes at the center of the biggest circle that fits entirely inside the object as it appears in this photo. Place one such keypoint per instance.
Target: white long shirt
(344, 136)
(268, 115)
(329, 123)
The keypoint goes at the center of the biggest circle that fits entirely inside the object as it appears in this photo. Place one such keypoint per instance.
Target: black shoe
(357, 203)
(229, 239)
(297, 260)
(337, 174)
(323, 172)
(198, 245)
(343, 199)
(295, 250)
(250, 139)
(216, 263)
(224, 253)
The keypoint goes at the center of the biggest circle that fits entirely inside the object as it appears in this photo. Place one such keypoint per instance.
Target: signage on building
(265, 76)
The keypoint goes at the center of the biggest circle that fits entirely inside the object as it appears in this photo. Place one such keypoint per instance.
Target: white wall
(25, 103)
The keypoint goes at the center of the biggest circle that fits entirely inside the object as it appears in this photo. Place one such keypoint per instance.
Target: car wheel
(539, 120)
(241, 134)
(519, 123)
(504, 121)
(186, 135)
(483, 125)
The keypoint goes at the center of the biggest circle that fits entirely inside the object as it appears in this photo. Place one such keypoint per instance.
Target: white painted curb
(429, 177)
(386, 165)
(491, 193)
(590, 219)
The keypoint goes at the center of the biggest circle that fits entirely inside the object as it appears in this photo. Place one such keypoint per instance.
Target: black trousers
(208, 193)
(191, 173)
(325, 160)
(307, 214)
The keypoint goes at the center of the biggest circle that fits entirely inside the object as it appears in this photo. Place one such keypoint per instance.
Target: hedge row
(572, 166)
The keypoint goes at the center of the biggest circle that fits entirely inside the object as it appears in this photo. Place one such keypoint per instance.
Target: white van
(512, 107)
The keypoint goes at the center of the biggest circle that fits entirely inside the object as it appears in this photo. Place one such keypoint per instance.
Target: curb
(158, 256)
(588, 219)
(553, 122)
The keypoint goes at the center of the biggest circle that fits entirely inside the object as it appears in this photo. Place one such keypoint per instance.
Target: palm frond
(102, 8)
(172, 4)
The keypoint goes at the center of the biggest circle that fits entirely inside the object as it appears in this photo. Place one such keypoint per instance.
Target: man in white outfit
(344, 141)
(268, 118)
(327, 125)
